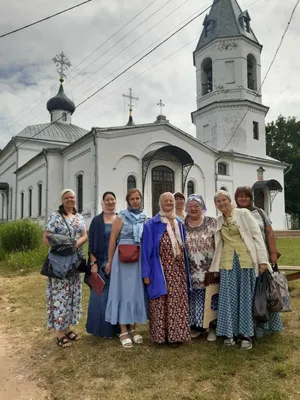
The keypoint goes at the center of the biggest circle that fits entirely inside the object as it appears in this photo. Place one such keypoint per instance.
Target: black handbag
(260, 301)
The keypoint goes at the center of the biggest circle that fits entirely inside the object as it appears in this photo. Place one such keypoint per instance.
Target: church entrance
(259, 200)
(162, 181)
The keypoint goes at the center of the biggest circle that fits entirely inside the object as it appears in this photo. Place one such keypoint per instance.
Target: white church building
(229, 149)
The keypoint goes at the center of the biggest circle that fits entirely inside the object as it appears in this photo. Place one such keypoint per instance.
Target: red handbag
(128, 253)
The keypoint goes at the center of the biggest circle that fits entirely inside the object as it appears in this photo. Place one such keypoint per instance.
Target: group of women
(156, 268)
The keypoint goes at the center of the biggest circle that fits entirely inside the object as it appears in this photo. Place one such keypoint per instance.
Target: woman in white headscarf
(64, 296)
(200, 243)
(166, 274)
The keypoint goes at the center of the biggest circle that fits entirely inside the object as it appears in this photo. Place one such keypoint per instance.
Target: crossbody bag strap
(67, 225)
(262, 217)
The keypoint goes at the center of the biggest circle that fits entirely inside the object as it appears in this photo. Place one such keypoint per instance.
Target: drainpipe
(47, 185)
(17, 166)
(96, 171)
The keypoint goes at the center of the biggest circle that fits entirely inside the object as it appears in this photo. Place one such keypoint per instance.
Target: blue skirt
(96, 324)
(197, 299)
(127, 301)
(236, 294)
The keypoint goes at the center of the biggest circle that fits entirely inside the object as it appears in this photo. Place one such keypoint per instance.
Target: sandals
(127, 342)
(137, 339)
(72, 336)
(246, 343)
(63, 342)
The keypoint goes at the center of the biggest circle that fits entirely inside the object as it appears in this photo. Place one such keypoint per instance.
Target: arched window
(190, 188)
(251, 72)
(224, 188)
(30, 202)
(40, 192)
(222, 169)
(22, 205)
(64, 116)
(131, 182)
(206, 76)
(79, 184)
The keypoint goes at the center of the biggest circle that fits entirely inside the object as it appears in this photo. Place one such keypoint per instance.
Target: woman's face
(110, 202)
(243, 200)
(194, 210)
(223, 203)
(167, 203)
(69, 200)
(135, 200)
(179, 203)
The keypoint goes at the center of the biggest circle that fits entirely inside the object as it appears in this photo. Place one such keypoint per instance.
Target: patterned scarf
(137, 220)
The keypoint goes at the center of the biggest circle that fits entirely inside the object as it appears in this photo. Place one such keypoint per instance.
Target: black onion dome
(61, 102)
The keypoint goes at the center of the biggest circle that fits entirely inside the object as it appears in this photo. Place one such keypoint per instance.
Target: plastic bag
(282, 281)
(274, 298)
(260, 303)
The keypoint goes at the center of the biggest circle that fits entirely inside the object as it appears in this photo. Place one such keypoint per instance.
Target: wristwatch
(93, 263)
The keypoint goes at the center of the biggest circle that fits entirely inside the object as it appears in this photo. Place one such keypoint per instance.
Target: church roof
(226, 19)
(61, 102)
(56, 131)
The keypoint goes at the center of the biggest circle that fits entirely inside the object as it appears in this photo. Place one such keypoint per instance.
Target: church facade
(229, 149)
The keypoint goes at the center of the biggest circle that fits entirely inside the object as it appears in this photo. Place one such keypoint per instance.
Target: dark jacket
(151, 265)
(61, 245)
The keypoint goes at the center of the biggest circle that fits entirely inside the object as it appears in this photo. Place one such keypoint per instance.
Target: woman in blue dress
(99, 234)
(127, 303)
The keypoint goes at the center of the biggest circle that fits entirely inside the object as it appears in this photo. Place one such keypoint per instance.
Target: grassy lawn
(98, 369)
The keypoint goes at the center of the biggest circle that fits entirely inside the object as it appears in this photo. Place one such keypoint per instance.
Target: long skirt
(236, 294)
(96, 324)
(64, 302)
(127, 302)
(169, 314)
(197, 300)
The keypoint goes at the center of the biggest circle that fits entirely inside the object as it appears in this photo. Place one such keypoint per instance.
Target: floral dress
(200, 245)
(64, 296)
(169, 314)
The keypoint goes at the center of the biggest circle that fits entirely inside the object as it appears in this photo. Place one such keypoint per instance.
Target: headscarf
(200, 200)
(64, 191)
(175, 237)
(104, 206)
(222, 192)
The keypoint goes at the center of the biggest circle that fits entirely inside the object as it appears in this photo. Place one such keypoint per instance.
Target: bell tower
(228, 75)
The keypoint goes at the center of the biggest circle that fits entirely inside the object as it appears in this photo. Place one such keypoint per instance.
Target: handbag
(81, 265)
(274, 298)
(282, 282)
(47, 269)
(128, 253)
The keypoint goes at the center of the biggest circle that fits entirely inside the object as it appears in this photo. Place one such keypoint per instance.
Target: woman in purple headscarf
(200, 247)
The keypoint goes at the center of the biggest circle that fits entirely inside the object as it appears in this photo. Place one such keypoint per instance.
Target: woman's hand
(273, 258)
(262, 268)
(147, 281)
(107, 268)
(94, 269)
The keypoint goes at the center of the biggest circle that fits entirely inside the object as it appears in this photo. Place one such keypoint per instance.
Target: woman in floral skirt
(64, 295)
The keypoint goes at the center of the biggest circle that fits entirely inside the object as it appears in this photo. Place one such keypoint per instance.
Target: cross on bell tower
(161, 117)
(62, 64)
(130, 97)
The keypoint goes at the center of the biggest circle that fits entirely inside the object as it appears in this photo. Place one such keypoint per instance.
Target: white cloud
(26, 69)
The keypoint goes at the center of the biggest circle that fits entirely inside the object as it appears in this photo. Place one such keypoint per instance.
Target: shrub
(20, 236)
(26, 260)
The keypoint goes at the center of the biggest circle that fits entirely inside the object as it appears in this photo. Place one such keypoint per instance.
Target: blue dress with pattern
(127, 302)
(96, 324)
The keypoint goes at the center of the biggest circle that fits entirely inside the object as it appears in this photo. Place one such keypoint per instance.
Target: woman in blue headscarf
(200, 245)
(126, 303)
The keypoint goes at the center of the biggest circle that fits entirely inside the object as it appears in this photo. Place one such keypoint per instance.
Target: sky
(28, 76)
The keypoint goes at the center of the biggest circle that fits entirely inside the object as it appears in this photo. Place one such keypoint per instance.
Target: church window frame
(222, 168)
(224, 188)
(190, 187)
(79, 191)
(39, 198)
(251, 72)
(207, 76)
(30, 190)
(64, 116)
(255, 130)
(22, 198)
(131, 182)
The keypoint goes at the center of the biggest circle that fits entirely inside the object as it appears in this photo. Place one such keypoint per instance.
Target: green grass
(290, 251)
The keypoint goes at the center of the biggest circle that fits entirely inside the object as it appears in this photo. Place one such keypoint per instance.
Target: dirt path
(13, 382)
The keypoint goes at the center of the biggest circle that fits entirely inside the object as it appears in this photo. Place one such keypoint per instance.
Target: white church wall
(55, 182)
(7, 169)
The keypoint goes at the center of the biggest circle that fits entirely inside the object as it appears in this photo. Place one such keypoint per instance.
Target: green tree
(283, 143)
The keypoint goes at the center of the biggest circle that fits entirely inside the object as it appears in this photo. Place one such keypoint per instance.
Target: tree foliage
(283, 143)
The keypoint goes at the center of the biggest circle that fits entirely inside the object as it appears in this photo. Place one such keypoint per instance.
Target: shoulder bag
(128, 253)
